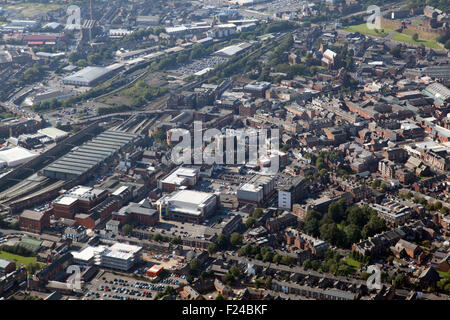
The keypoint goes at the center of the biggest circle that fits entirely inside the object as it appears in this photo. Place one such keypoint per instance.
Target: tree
(257, 213)
(194, 264)
(399, 280)
(415, 36)
(307, 264)
(236, 272)
(276, 258)
(356, 216)
(236, 239)
(127, 229)
(312, 223)
(190, 278)
(222, 242)
(268, 283)
(250, 222)
(212, 248)
(220, 297)
(376, 183)
(383, 187)
(353, 233)
(228, 279)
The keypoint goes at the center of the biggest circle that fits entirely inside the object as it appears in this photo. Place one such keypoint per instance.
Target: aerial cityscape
(225, 150)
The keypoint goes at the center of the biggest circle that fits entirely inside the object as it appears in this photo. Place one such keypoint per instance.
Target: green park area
(402, 37)
(362, 28)
(16, 258)
(406, 36)
(353, 263)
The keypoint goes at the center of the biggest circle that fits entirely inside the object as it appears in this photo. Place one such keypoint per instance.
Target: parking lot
(109, 286)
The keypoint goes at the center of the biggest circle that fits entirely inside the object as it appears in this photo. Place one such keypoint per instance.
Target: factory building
(90, 76)
(187, 205)
(89, 156)
(13, 157)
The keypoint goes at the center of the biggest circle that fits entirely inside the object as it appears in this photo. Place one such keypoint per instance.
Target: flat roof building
(13, 157)
(178, 178)
(187, 205)
(88, 76)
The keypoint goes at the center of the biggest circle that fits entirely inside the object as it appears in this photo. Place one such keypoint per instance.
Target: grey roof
(88, 74)
(85, 157)
(4, 263)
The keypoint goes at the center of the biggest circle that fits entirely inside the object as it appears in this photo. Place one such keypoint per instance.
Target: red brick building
(34, 221)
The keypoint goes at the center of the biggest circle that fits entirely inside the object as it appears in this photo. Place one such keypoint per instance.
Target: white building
(187, 205)
(120, 256)
(178, 178)
(13, 157)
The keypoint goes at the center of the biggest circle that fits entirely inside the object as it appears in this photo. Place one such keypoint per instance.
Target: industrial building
(53, 133)
(90, 76)
(187, 205)
(13, 157)
(233, 50)
(89, 156)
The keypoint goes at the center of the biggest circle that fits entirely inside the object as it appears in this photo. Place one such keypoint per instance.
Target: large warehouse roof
(88, 74)
(16, 156)
(89, 155)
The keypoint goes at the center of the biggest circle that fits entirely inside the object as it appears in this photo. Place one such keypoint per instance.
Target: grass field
(408, 39)
(353, 263)
(362, 28)
(31, 9)
(445, 274)
(17, 259)
(417, 22)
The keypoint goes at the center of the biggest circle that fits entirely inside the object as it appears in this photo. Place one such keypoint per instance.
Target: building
(392, 211)
(281, 222)
(88, 76)
(187, 205)
(121, 256)
(438, 92)
(34, 221)
(79, 199)
(233, 50)
(6, 267)
(53, 133)
(13, 157)
(256, 190)
(186, 177)
(257, 89)
(291, 192)
(148, 20)
(89, 156)
(137, 213)
(76, 234)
